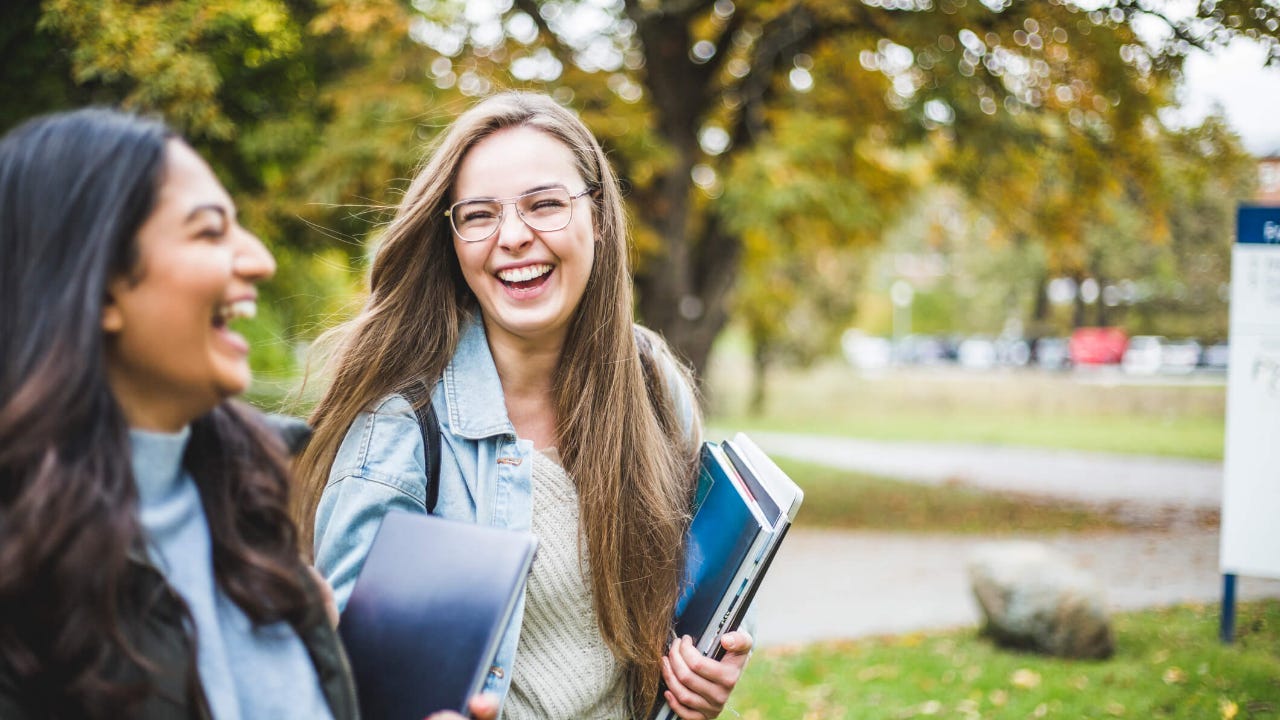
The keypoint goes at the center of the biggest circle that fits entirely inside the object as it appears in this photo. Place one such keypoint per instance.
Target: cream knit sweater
(563, 669)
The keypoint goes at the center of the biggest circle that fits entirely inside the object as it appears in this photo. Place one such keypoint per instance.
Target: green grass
(842, 499)
(1077, 411)
(1195, 438)
(1168, 664)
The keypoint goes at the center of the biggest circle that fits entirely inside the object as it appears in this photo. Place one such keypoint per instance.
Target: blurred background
(887, 183)
(975, 223)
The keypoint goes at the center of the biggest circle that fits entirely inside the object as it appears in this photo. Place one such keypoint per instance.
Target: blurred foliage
(764, 143)
(1163, 267)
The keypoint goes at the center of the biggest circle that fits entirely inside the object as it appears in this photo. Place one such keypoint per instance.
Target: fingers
(481, 707)
(697, 686)
(484, 707)
(737, 646)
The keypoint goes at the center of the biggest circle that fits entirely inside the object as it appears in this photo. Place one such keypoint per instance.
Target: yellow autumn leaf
(1228, 708)
(1174, 675)
(1025, 678)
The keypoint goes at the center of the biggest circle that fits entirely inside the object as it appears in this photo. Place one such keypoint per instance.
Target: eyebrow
(545, 186)
(209, 207)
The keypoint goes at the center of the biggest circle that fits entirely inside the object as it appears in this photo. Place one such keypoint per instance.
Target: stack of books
(744, 506)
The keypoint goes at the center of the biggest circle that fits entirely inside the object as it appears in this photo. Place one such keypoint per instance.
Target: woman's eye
(211, 233)
(477, 215)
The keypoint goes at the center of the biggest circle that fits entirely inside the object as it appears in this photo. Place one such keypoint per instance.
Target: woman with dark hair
(148, 567)
(500, 293)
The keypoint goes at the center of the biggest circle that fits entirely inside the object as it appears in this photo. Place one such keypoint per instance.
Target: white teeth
(521, 274)
(238, 309)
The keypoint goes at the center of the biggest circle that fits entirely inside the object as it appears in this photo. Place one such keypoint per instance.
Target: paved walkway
(1090, 477)
(827, 585)
(832, 584)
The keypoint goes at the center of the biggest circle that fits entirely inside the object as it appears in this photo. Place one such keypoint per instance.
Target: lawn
(1168, 664)
(1093, 411)
(854, 501)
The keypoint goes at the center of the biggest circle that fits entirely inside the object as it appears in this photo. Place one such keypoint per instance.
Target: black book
(428, 611)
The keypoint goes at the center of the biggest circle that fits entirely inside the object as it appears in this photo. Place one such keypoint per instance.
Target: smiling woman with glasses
(557, 414)
(543, 209)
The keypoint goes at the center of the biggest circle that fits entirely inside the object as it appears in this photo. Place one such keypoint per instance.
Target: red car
(1097, 345)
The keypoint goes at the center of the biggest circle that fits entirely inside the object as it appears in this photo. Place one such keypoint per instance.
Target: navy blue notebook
(427, 612)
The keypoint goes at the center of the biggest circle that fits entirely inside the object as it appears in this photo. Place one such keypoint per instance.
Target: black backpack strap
(429, 424)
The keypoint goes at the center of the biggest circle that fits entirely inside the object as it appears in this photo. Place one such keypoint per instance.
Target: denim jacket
(484, 471)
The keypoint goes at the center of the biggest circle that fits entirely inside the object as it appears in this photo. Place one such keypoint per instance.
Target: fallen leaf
(1174, 675)
(998, 698)
(1115, 709)
(1024, 678)
(1228, 708)
(877, 672)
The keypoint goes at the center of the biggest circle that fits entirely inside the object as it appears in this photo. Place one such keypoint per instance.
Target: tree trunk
(759, 377)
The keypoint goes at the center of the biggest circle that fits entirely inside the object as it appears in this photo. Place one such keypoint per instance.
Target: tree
(290, 102)
(706, 82)
(680, 91)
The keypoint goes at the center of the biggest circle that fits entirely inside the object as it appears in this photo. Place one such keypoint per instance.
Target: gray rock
(1033, 598)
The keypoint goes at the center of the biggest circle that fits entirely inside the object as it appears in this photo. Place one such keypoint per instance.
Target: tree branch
(562, 53)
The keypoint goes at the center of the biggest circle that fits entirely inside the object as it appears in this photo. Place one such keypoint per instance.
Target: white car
(1179, 356)
(1144, 355)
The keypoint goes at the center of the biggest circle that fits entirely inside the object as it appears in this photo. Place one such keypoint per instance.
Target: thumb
(738, 642)
(484, 706)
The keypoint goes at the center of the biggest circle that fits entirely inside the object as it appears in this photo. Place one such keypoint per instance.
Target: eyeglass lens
(543, 210)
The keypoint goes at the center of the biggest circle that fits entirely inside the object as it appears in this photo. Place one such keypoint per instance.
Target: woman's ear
(112, 317)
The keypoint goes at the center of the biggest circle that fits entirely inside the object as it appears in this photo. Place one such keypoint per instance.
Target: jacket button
(496, 671)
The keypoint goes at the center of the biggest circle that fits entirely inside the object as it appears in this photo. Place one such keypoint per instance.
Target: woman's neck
(526, 371)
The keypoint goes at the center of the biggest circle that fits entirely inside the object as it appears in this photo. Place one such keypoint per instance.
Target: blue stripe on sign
(1258, 225)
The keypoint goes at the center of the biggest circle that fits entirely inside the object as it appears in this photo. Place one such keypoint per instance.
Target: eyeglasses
(545, 210)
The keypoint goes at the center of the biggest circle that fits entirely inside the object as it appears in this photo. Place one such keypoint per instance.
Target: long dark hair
(74, 190)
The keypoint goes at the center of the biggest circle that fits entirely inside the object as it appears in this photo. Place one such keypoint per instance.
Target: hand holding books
(698, 686)
(744, 506)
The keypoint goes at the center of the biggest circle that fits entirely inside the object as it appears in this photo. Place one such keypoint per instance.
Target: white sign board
(1251, 491)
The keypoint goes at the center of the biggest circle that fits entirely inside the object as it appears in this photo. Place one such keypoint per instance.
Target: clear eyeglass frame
(528, 215)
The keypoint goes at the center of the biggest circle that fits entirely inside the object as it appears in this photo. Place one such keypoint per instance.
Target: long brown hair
(74, 189)
(631, 459)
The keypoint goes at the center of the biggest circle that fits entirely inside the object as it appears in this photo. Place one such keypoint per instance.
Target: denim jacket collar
(473, 391)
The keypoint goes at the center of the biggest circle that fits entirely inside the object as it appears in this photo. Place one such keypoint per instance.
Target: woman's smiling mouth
(525, 277)
(234, 310)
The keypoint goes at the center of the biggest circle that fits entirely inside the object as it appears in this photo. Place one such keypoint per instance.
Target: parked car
(1051, 353)
(866, 352)
(977, 353)
(1214, 357)
(1097, 345)
(1179, 356)
(1143, 355)
(1013, 351)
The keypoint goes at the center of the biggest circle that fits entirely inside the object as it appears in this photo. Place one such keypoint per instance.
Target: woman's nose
(513, 232)
(252, 260)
